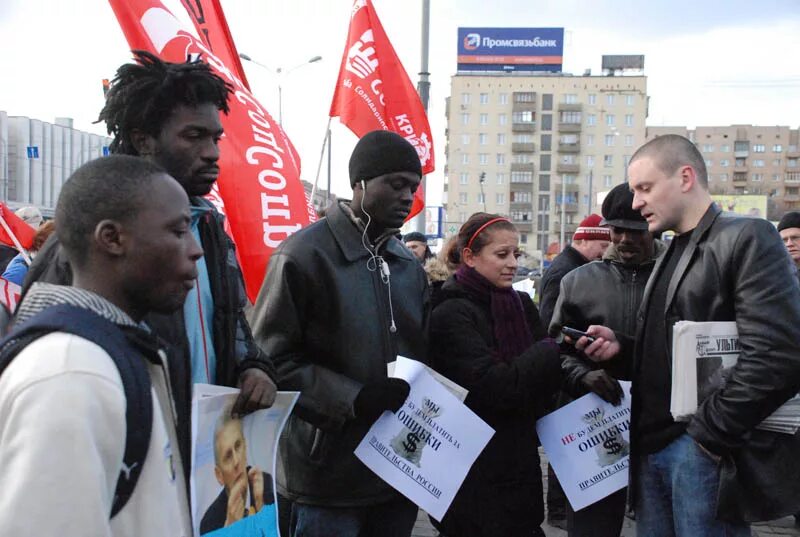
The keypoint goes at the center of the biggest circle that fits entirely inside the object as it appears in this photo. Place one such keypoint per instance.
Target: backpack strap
(132, 368)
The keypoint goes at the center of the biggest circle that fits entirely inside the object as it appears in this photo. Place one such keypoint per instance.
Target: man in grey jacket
(342, 298)
(718, 472)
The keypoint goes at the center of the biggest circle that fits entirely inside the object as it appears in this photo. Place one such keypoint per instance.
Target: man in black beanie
(789, 229)
(608, 293)
(418, 244)
(342, 298)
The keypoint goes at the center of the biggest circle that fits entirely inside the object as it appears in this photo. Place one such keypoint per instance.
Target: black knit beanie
(380, 152)
(790, 219)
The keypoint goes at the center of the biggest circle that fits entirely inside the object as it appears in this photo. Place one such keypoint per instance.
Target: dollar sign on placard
(410, 445)
(612, 446)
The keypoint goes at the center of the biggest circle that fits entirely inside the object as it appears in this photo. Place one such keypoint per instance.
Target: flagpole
(321, 155)
(423, 88)
(14, 239)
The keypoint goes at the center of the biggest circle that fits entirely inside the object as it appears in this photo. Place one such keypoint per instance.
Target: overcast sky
(708, 63)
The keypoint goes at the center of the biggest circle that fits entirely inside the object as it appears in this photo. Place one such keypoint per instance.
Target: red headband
(484, 226)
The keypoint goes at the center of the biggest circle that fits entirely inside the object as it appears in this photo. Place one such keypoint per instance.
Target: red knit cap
(591, 230)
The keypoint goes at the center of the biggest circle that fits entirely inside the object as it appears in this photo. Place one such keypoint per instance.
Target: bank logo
(361, 60)
(472, 41)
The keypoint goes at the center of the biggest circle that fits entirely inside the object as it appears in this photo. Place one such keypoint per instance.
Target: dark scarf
(511, 328)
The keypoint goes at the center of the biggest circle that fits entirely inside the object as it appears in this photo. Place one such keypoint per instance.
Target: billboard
(510, 49)
(747, 204)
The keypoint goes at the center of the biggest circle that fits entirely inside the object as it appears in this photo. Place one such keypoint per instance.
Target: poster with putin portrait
(234, 463)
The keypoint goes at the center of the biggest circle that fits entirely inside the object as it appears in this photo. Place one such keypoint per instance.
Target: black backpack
(127, 352)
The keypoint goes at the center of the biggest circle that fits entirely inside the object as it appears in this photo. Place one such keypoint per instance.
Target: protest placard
(588, 443)
(233, 464)
(425, 449)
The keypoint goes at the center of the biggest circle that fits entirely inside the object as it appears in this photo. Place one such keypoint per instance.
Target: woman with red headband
(488, 338)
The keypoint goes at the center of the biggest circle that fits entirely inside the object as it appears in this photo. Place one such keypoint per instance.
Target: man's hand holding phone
(599, 343)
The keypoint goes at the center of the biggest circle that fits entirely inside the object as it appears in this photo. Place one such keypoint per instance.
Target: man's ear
(688, 178)
(144, 143)
(109, 237)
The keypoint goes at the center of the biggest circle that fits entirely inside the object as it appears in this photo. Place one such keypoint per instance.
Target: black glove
(385, 394)
(604, 385)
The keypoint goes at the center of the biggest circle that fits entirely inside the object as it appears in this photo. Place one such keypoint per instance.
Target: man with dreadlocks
(168, 113)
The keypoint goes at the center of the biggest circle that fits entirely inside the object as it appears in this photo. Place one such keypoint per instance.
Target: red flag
(259, 187)
(16, 225)
(9, 294)
(374, 92)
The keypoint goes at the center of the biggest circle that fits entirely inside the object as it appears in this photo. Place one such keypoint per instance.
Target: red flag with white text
(259, 187)
(23, 232)
(373, 91)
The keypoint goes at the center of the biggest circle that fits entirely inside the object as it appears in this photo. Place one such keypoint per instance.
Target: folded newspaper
(703, 355)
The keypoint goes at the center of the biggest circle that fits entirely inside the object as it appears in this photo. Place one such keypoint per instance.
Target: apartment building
(749, 160)
(536, 146)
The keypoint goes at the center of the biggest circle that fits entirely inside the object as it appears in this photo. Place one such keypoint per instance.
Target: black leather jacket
(323, 317)
(607, 293)
(737, 269)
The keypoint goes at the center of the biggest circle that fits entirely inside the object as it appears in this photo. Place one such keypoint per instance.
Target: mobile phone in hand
(575, 334)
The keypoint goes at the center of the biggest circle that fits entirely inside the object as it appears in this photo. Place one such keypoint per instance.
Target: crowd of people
(137, 295)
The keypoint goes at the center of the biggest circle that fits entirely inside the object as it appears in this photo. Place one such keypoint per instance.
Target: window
(501, 158)
(547, 122)
(568, 139)
(740, 163)
(791, 163)
(589, 140)
(591, 120)
(629, 100)
(521, 197)
(776, 177)
(523, 238)
(501, 178)
(521, 177)
(590, 160)
(776, 162)
(547, 140)
(570, 116)
(465, 118)
(465, 139)
(483, 159)
(610, 140)
(628, 140)
(502, 98)
(521, 158)
(544, 163)
(758, 163)
(526, 97)
(709, 163)
(484, 119)
(608, 180)
(708, 148)
(523, 138)
(547, 101)
(465, 98)
(741, 146)
(592, 98)
(725, 148)
(544, 183)
(758, 177)
(759, 148)
(462, 217)
(629, 120)
(500, 199)
(483, 138)
(501, 139)
(522, 117)
(608, 160)
(463, 179)
(462, 198)
(569, 159)
(568, 179)
(502, 119)
(610, 99)
(610, 119)
(484, 98)
(570, 98)
(723, 177)
(464, 158)
(724, 162)
(777, 148)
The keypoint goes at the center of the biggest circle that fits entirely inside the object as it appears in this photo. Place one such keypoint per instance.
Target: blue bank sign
(510, 49)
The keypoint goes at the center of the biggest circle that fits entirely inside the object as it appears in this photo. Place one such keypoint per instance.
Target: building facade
(749, 160)
(539, 148)
(36, 157)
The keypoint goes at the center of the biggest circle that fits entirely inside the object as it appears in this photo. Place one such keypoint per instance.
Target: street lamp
(280, 72)
(481, 179)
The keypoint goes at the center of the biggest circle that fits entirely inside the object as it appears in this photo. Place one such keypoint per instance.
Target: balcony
(739, 179)
(740, 169)
(563, 167)
(792, 178)
(523, 126)
(569, 229)
(793, 153)
(570, 107)
(524, 226)
(569, 127)
(569, 148)
(791, 197)
(517, 147)
(522, 167)
(568, 208)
